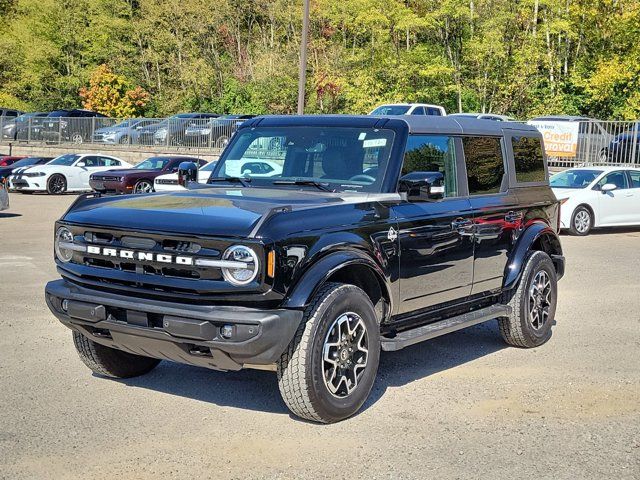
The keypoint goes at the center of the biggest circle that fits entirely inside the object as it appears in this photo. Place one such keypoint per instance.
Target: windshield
(64, 160)
(391, 110)
(125, 124)
(59, 113)
(574, 178)
(153, 163)
(337, 158)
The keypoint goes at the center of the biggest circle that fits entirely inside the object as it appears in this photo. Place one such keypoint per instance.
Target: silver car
(4, 197)
(126, 132)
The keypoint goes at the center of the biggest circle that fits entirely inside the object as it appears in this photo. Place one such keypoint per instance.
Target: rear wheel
(109, 361)
(57, 184)
(533, 304)
(124, 140)
(581, 221)
(77, 138)
(329, 368)
(143, 186)
(222, 141)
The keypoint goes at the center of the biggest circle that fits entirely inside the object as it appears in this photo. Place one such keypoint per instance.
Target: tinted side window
(434, 111)
(485, 164)
(431, 153)
(635, 178)
(619, 179)
(528, 159)
(418, 111)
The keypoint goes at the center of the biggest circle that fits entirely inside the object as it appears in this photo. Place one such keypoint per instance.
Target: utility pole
(303, 57)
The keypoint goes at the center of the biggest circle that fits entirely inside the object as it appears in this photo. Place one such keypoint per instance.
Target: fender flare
(319, 272)
(534, 232)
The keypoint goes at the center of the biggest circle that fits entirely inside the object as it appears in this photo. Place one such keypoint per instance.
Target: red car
(138, 179)
(7, 160)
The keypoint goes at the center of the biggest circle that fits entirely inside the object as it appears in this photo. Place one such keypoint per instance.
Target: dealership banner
(560, 138)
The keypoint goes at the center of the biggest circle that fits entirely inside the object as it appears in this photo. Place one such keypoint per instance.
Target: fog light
(226, 331)
(65, 304)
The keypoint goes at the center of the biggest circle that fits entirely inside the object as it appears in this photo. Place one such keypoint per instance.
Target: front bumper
(30, 184)
(182, 333)
(107, 186)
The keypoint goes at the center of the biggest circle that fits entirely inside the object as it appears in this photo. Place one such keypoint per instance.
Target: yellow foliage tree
(110, 94)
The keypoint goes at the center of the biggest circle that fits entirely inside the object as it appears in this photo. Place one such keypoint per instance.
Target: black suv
(379, 232)
(75, 126)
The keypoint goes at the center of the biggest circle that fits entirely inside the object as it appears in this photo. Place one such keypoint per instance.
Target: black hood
(219, 211)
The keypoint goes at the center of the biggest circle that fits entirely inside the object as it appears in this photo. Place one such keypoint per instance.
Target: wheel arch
(539, 236)
(349, 267)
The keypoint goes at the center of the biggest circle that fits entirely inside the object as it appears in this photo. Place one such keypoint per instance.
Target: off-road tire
(516, 329)
(110, 362)
(300, 369)
(52, 189)
(582, 210)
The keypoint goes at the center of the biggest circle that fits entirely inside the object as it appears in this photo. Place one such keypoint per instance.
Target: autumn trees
(519, 58)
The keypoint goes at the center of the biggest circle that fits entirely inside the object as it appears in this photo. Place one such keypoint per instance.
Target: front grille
(152, 264)
(105, 178)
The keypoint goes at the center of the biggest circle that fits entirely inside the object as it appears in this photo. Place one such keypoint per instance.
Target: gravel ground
(460, 406)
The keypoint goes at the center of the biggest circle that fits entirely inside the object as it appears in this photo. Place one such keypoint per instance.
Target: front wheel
(77, 138)
(533, 304)
(143, 186)
(581, 221)
(57, 184)
(329, 368)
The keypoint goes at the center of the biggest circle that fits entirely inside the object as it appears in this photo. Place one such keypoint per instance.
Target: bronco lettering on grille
(140, 256)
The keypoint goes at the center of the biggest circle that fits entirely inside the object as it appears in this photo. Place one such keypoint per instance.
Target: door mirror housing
(608, 187)
(422, 185)
(187, 172)
(81, 164)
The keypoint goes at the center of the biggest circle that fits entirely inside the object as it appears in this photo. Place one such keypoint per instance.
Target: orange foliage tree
(110, 94)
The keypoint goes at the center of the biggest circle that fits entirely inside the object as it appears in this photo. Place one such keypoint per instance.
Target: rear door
(634, 177)
(496, 211)
(436, 243)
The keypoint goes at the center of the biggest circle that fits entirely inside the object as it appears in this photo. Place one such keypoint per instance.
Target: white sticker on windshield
(374, 142)
(362, 136)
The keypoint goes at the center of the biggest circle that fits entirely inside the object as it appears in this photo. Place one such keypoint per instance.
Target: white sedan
(592, 197)
(66, 173)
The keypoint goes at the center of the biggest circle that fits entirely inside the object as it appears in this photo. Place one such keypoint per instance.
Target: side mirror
(422, 185)
(608, 187)
(187, 172)
(80, 164)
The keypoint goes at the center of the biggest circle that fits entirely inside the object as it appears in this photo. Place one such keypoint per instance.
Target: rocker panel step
(432, 330)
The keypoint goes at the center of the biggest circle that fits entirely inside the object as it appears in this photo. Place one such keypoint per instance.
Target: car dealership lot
(460, 406)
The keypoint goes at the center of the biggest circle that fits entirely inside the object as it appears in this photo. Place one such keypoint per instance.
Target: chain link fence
(173, 132)
(568, 143)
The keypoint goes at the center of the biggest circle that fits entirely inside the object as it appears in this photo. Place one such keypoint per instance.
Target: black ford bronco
(360, 234)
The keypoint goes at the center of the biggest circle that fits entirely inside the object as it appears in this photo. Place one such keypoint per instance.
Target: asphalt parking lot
(460, 406)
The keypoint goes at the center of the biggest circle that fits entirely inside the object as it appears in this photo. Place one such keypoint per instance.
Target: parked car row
(81, 126)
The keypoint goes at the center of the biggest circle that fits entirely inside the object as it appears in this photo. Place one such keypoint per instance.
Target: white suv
(409, 109)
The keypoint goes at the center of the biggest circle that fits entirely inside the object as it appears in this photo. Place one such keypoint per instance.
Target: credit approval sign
(560, 138)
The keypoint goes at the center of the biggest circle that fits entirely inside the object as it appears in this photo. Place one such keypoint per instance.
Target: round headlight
(244, 274)
(63, 235)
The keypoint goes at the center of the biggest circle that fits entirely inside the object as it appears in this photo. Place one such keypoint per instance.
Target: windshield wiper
(312, 183)
(241, 180)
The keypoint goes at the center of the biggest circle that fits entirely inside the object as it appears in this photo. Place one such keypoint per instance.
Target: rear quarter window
(528, 159)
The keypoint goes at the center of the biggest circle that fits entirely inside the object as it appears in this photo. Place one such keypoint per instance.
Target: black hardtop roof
(417, 124)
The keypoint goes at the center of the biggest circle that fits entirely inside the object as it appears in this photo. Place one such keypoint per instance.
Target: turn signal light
(271, 264)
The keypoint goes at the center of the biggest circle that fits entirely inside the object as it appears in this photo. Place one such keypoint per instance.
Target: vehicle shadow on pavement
(258, 390)
(9, 215)
(433, 356)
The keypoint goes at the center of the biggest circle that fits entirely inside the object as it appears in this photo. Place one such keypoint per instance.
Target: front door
(436, 241)
(619, 206)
